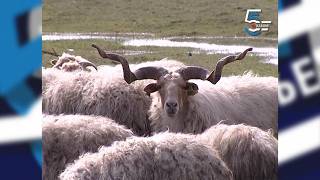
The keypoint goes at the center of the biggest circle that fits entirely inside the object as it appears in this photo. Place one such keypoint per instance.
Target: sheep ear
(191, 88)
(150, 88)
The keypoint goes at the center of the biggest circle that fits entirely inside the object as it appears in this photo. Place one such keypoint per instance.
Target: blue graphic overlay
(36, 148)
(35, 84)
(20, 98)
(6, 109)
(284, 50)
(22, 28)
(25, 59)
(252, 16)
(19, 88)
(288, 3)
(296, 111)
(255, 24)
(18, 162)
(305, 167)
(299, 77)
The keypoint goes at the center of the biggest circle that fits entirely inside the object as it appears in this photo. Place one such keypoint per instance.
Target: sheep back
(249, 152)
(163, 156)
(98, 94)
(66, 137)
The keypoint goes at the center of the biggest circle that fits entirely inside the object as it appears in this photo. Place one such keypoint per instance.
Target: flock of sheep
(157, 120)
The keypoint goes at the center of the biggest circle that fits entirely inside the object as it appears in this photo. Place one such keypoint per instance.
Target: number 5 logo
(253, 18)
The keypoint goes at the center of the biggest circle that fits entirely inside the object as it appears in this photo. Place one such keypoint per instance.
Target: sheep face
(174, 92)
(70, 66)
(72, 62)
(65, 58)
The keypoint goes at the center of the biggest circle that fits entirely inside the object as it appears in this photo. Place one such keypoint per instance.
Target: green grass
(164, 18)
(84, 49)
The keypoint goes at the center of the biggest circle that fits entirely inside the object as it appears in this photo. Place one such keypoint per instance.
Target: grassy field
(84, 49)
(164, 18)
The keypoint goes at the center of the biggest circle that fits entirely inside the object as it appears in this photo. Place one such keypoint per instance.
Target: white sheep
(249, 152)
(96, 94)
(65, 63)
(49, 75)
(103, 93)
(75, 63)
(163, 156)
(66, 137)
(237, 99)
(179, 105)
(83, 63)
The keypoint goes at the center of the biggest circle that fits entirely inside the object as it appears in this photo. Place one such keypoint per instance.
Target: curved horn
(194, 72)
(215, 75)
(61, 61)
(141, 73)
(85, 64)
(150, 72)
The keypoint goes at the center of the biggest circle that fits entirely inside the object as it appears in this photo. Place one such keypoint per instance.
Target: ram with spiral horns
(190, 99)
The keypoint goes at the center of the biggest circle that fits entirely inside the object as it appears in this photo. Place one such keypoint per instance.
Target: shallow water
(86, 36)
(269, 54)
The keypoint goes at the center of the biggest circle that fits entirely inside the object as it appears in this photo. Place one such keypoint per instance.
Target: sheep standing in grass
(249, 152)
(66, 137)
(180, 105)
(163, 156)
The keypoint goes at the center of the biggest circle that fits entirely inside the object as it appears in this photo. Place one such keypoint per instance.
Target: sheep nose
(171, 105)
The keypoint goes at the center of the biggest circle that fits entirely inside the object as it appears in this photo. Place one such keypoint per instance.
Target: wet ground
(262, 47)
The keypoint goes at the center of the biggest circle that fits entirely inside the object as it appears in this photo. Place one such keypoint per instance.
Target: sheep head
(70, 66)
(174, 87)
(71, 60)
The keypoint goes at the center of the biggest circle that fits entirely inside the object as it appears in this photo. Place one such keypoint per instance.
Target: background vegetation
(163, 18)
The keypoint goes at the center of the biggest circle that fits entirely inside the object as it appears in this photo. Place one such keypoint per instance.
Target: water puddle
(222, 37)
(269, 54)
(97, 35)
